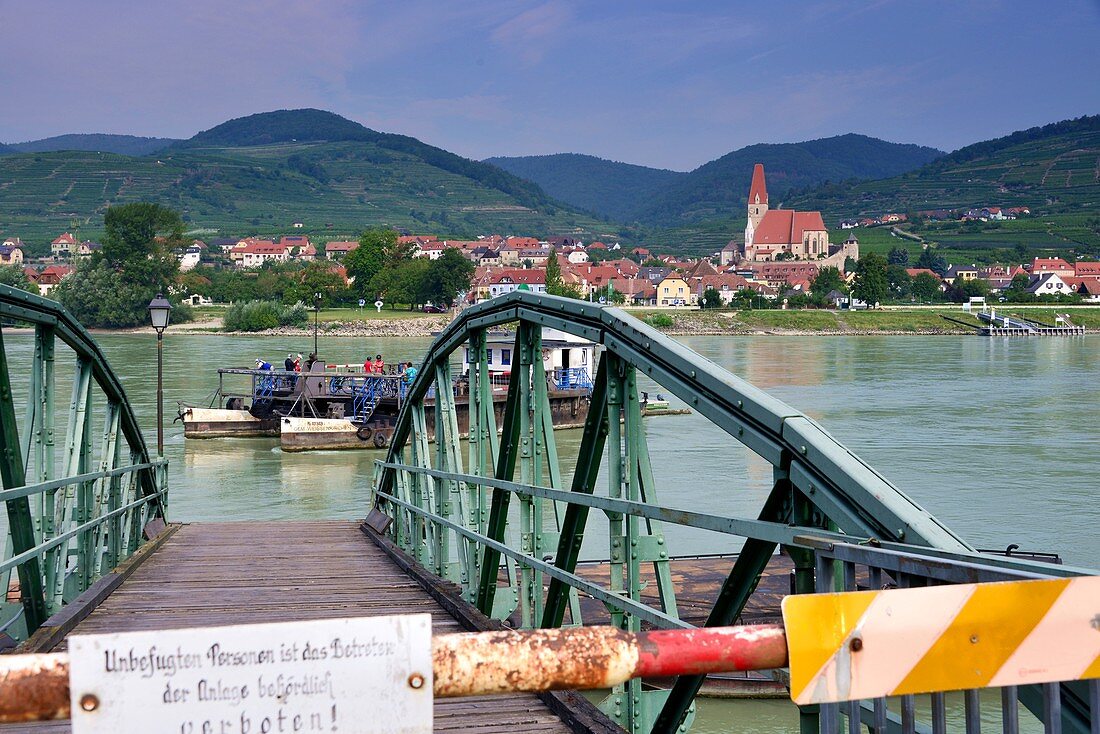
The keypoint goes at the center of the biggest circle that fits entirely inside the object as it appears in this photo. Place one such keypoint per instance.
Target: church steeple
(758, 194)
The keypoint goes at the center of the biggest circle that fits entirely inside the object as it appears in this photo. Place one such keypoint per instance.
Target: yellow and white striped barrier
(867, 644)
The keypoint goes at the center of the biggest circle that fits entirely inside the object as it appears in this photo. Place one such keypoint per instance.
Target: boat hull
(222, 423)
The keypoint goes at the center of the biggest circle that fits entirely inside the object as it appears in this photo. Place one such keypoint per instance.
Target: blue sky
(668, 84)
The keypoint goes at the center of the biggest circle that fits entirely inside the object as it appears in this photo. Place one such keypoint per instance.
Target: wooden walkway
(235, 573)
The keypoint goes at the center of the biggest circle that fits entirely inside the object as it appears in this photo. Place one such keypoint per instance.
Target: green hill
(94, 142)
(224, 180)
(659, 198)
(609, 188)
(1054, 170)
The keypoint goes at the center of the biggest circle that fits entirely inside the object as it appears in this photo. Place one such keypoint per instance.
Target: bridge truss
(78, 493)
(838, 519)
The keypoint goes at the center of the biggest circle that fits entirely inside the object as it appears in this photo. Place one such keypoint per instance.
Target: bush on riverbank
(263, 315)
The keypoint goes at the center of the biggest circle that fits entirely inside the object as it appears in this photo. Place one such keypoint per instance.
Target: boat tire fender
(364, 433)
(380, 440)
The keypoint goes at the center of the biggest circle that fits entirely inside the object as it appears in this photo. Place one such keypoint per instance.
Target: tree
(827, 279)
(14, 276)
(368, 259)
(899, 280)
(446, 277)
(553, 273)
(933, 261)
(100, 296)
(964, 290)
(138, 242)
(1017, 290)
(898, 256)
(317, 277)
(555, 286)
(403, 283)
(871, 285)
(926, 287)
(711, 298)
(113, 288)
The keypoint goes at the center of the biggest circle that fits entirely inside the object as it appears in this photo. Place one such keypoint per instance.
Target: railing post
(530, 510)
(584, 481)
(498, 510)
(20, 523)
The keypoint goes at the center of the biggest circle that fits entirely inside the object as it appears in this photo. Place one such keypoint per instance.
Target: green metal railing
(830, 512)
(73, 512)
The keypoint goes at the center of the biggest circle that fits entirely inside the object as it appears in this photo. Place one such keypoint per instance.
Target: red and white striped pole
(36, 687)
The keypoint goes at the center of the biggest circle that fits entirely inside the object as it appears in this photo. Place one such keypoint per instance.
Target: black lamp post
(159, 310)
(316, 315)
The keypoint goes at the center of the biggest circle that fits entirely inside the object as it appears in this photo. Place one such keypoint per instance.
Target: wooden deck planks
(233, 573)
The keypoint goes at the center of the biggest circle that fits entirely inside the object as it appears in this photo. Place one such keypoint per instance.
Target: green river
(996, 437)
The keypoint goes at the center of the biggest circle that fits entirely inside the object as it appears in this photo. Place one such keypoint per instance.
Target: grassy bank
(887, 321)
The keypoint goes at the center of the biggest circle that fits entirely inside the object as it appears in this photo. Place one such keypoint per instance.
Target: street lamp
(159, 310)
(316, 315)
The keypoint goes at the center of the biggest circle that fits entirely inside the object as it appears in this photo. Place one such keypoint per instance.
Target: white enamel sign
(350, 676)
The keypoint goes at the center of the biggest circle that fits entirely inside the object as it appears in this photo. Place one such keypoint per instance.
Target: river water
(996, 437)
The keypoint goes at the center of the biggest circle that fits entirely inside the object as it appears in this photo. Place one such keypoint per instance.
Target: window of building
(506, 356)
(490, 351)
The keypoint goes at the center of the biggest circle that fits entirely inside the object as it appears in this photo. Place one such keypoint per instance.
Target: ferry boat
(342, 407)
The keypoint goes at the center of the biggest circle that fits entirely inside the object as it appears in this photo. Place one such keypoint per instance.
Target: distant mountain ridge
(608, 188)
(717, 189)
(1054, 167)
(93, 142)
(262, 173)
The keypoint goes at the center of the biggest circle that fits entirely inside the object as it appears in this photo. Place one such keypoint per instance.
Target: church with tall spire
(785, 234)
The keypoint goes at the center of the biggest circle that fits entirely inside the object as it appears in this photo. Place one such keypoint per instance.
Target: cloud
(530, 34)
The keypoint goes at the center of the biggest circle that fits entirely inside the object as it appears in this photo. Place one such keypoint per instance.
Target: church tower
(758, 205)
(758, 196)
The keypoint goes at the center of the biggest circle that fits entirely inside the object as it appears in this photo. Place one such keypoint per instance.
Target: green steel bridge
(490, 526)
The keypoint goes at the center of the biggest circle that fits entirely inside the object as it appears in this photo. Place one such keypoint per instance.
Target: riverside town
(550, 367)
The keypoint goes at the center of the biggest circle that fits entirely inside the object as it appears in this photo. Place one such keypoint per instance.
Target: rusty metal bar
(36, 687)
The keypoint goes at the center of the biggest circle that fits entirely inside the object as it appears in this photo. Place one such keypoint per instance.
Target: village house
(190, 257)
(592, 279)
(673, 291)
(776, 274)
(728, 285)
(430, 250)
(87, 248)
(1087, 288)
(507, 280)
(1056, 265)
(49, 278)
(252, 253)
(11, 253)
(729, 254)
(1049, 283)
(577, 257)
(653, 275)
(299, 247)
(960, 272)
(338, 248)
(64, 246)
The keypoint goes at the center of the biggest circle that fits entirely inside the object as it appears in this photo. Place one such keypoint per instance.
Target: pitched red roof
(785, 227)
(758, 191)
(1086, 269)
(341, 246)
(65, 239)
(914, 272)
